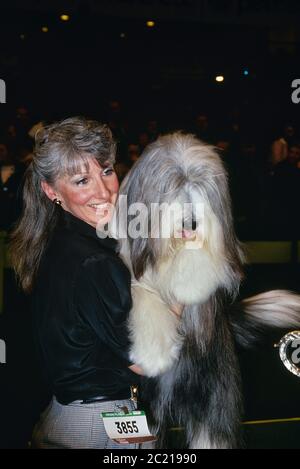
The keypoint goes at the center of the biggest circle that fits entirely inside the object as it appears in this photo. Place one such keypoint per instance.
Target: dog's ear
(141, 256)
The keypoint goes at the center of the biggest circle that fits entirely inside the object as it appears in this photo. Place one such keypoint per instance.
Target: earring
(56, 201)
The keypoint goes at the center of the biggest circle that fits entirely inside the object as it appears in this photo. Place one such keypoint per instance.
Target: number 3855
(127, 427)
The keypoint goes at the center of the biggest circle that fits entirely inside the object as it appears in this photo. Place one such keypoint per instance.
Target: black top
(80, 304)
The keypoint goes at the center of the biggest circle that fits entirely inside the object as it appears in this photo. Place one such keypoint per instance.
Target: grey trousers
(77, 426)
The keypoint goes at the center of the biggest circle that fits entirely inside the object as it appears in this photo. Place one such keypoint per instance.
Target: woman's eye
(82, 181)
(108, 171)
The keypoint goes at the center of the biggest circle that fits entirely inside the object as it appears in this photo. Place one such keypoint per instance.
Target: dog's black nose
(187, 225)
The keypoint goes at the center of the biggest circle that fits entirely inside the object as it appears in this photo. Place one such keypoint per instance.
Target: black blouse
(80, 306)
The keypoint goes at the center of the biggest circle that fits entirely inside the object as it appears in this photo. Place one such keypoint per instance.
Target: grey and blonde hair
(60, 149)
(174, 164)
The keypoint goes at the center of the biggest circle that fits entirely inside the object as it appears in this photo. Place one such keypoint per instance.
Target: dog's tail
(276, 308)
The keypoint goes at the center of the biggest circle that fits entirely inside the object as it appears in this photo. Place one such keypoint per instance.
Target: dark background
(167, 73)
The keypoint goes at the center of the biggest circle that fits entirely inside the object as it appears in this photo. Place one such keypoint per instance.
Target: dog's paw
(154, 332)
(154, 357)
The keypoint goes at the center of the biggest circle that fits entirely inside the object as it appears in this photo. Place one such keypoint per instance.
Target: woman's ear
(49, 191)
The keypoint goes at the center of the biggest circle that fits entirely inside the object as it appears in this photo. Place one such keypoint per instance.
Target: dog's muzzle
(189, 229)
(190, 225)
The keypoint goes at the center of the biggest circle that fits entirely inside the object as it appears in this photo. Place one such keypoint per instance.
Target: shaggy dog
(190, 359)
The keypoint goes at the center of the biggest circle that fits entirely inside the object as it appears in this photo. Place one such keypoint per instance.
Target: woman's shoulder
(90, 254)
(80, 240)
(68, 252)
(102, 264)
(78, 254)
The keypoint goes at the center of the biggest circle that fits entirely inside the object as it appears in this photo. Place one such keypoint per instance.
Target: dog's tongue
(187, 234)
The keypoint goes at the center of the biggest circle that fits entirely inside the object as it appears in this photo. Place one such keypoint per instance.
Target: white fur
(184, 170)
(203, 441)
(279, 308)
(154, 334)
(189, 275)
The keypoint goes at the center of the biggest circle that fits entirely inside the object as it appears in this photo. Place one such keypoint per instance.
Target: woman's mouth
(101, 207)
(103, 212)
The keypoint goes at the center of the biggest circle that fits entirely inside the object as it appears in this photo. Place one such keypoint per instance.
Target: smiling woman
(80, 289)
(89, 194)
(71, 168)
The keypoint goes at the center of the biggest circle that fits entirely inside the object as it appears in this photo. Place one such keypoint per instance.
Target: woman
(79, 287)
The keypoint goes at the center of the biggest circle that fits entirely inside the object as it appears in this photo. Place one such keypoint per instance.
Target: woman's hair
(60, 149)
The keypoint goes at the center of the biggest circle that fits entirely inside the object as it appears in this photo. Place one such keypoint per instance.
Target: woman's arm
(177, 309)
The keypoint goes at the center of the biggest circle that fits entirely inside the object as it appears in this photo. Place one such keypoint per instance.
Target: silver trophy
(290, 360)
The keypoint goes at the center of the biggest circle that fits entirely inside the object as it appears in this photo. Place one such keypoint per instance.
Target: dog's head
(178, 202)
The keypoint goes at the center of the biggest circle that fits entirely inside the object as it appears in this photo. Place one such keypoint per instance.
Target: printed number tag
(127, 428)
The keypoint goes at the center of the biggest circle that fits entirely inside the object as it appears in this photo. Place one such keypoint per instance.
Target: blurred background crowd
(264, 170)
(222, 70)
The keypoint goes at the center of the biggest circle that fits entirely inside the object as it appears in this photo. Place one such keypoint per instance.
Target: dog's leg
(203, 440)
(154, 333)
(217, 424)
(201, 392)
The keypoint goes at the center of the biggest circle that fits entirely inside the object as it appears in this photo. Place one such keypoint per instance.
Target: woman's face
(91, 194)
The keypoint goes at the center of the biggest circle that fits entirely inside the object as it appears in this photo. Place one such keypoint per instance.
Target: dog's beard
(191, 269)
(190, 276)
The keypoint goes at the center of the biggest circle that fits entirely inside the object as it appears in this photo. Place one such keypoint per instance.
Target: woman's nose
(102, 189)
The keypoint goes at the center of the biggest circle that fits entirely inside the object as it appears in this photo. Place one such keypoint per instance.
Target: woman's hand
(177, 309)
(136, 369)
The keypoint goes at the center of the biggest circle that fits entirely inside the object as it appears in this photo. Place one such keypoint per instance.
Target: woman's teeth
(98, 205)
